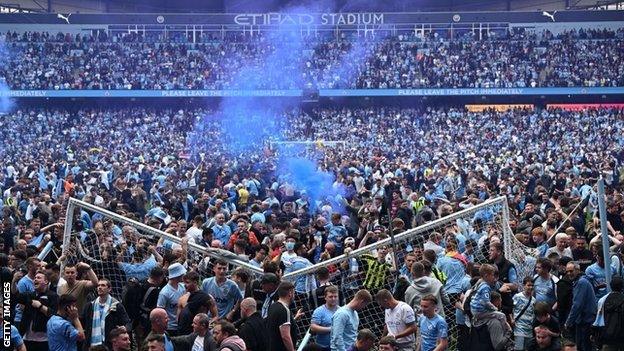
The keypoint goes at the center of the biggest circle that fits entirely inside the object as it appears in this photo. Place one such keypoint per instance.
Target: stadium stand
(394, 224)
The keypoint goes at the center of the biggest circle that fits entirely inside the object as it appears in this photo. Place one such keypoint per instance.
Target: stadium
(312, 175)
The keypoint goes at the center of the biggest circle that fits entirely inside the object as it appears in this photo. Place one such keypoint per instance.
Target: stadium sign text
(275, 18)
(299, 92)
(6, 314)
(461, 91)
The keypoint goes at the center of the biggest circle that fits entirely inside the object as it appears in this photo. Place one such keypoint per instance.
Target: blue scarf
(99, 316)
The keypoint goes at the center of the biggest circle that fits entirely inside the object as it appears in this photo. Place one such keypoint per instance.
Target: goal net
(490, 218)
(119, 248)
(116, 247)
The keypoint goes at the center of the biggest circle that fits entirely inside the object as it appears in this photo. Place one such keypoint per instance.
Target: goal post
(419, 231)
(319, 143)
(489, 216)
(86, 245)
(215, 253)
(92, 245)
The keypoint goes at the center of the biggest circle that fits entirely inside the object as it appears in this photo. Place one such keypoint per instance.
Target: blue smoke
(317, 184)
(6, 103)
(246, 125)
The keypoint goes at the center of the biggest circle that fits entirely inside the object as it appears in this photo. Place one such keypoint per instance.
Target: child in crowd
(522, 317)
(480, 304)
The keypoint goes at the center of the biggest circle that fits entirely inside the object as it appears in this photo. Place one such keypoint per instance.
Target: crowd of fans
(586, 58)
(398, 168)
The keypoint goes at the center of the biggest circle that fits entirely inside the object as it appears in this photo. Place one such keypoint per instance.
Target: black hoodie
(613, 309)
(195, 301)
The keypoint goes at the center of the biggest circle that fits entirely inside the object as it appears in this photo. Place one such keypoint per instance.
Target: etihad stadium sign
(329, 19)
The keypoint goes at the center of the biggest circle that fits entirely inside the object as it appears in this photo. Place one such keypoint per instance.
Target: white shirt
(566, 252)
(10, 171)
(397, 319)
(194, 233)
(430, 245)
(198, 345)
(287, 258)
(359, 183)
(99, 201)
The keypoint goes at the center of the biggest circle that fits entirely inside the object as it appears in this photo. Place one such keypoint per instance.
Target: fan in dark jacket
(253, 328)
(564, 290)
(102, 315)
(198, 302)
(201, 326)
(543, 341)
(39, 306)
(610, 318)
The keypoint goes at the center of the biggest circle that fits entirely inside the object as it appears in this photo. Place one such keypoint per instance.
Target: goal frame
(215, 253)
(507, 235)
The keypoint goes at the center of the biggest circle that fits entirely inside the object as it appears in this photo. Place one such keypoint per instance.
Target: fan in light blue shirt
(336, 233)
(597, 276)
(480, 301)
(16, 338)
(168, 299)
(62, 335)
(323, 317)
(226, 295)
(344, 328)
(455, 272)
(304, 282)
(140, 271)
(24, 285)
(221, 233)
(460, 316)
(545, 289)
(258, 216)
(432, 330)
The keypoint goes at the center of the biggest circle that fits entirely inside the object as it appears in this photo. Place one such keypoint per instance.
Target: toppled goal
(130, 252)
(486, 219)
(132, 249)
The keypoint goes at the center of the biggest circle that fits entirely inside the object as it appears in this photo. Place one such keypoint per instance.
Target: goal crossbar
(215, 253)
(501, 200)
(309, 142)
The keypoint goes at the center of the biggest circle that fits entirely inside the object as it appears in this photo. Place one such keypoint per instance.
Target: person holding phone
(64, 328)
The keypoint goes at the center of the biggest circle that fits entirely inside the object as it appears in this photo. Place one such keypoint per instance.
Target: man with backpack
(610, 317)
(140, 297)
(545, 283)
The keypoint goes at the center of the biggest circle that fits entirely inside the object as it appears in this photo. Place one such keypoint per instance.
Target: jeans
(582, 333)
(521, 342)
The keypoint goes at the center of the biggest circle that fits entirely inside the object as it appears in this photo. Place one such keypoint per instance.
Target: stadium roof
(238, 6)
